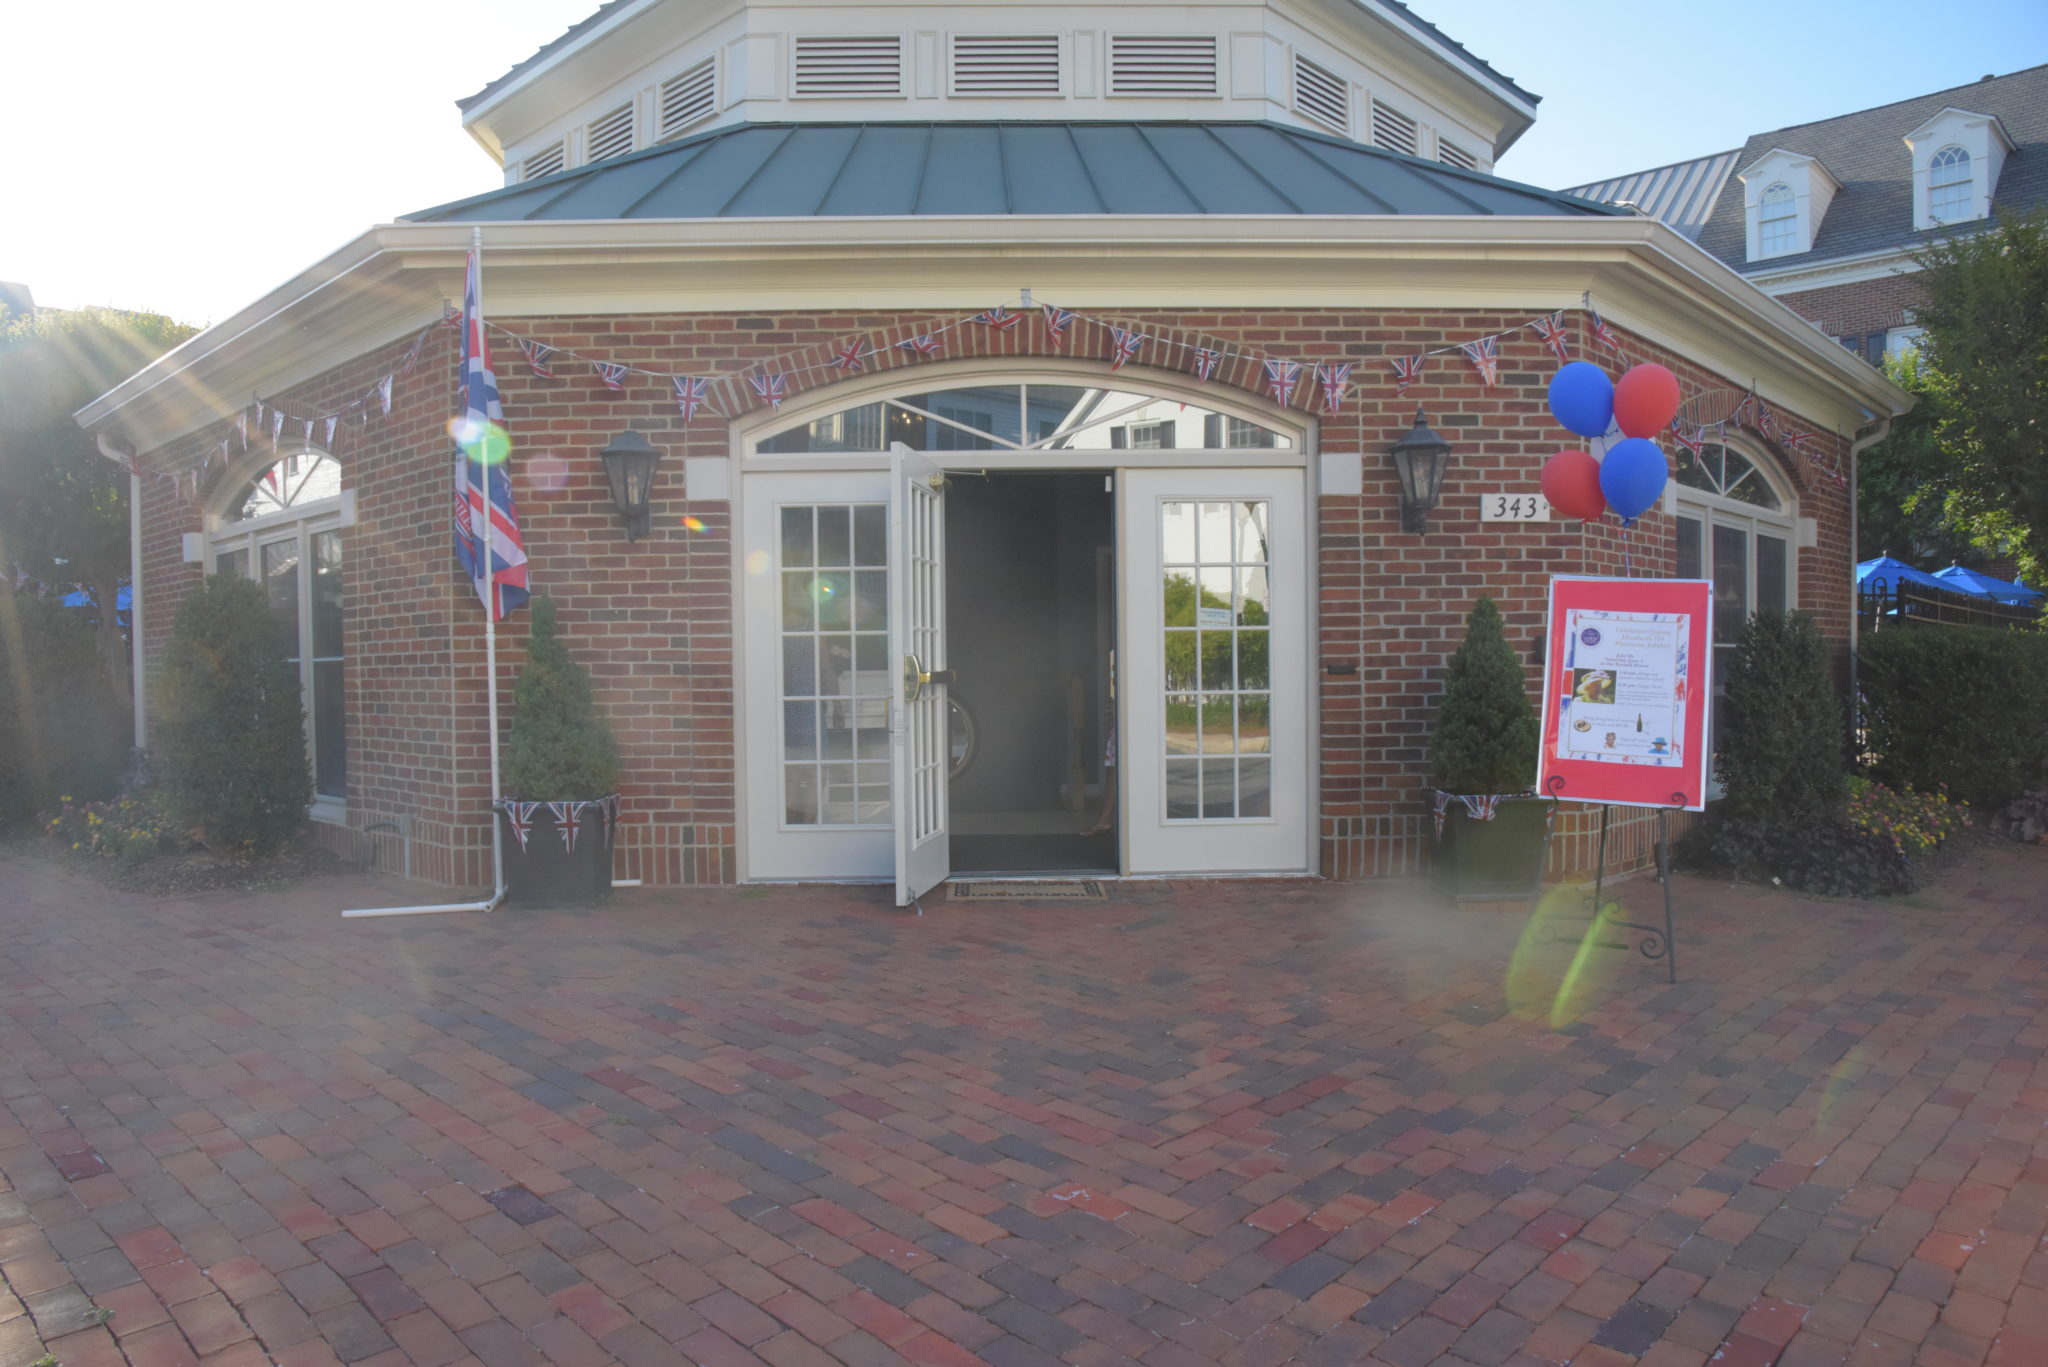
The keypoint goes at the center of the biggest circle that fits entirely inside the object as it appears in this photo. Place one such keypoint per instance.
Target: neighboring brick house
(1826, 216)
(796, 195)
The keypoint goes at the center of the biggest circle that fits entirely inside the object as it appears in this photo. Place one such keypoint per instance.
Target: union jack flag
(1604, 332)
(1057, 321)
(333, 421)
(412, 353)
(850, 358)
(308, 437)
(1485, 354)
(1407, 370)
(488, 545)
(1335, 378)
(1744, 411)
(1766, 421)
(1281, 377)
(1123, 345)
(689, 394)
(924, 344)
(519, 816)
(1791, 438)
(277, 425)
(1552, 331)
(1000, 318)
(537, 357)
(1207, 358)
(773, 388)
(242, 429)
(612, 374)
(566, 821)
(1691, 438)
(384, 393)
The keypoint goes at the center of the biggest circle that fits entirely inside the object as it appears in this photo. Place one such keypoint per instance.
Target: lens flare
(1540, 982)
(757, 562)
(482, 441)
(693, 524)
(546, 472)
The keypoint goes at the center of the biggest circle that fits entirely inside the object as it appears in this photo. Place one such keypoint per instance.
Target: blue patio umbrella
(1985, 586)
(1893, 572)
(79, 598)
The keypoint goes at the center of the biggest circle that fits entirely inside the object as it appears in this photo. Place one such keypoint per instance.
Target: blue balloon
(1632, 477)
(1582, 398)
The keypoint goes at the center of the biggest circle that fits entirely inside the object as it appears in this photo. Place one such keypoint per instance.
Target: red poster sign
(1626, 685)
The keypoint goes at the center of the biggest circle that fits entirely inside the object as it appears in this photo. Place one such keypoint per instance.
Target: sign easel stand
(1657, 943)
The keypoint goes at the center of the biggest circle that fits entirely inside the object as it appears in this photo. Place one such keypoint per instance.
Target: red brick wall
(1859, 309)
(653, 619)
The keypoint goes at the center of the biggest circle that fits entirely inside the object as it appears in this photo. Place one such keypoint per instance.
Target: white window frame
(1777, 221)
(1950, 198)
(226, 539)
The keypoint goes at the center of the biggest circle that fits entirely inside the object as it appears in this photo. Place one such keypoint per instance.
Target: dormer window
(1777, 226)
(1948, 186)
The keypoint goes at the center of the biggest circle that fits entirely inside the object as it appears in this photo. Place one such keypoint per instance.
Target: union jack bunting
(1766, 421)
(1604, 332)
(1207, 358)
(412, 354)
(1281, 377)
(611, 374)
(1690, 437)
(333, 421)
(689, 394)
(1407, 370)
(1485, 355)
(773, 388)
(242, 429)
(1057, 321)
(1123, 345)
(309, 432)
(566, 822)
(1552, 330)
(488, 544)
(519, 816)
(1335, 379)
(1787, 437)
(849, 358)
(384, 393)
(1744, 411)
(538, 356)
(276, 425)
(924, 344)
(1479, 806)
(1000, 318)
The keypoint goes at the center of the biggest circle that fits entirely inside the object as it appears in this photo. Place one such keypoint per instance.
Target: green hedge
(1960, 707)
(62, 732)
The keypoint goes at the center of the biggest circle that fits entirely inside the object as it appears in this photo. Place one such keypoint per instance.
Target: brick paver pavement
(1233, 1123)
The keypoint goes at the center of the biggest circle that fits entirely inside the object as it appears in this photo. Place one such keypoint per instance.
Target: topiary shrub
(1957, 707)
(561, 748)
(1485, 736)
(232, 739)
(1781, 757)
(63, 735)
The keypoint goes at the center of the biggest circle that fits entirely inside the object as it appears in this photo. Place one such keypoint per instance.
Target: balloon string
(1628, 568)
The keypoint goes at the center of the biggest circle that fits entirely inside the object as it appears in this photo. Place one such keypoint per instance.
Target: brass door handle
(916, 676)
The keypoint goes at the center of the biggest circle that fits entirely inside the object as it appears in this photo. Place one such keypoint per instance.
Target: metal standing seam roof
(1681, 195)
(888, 170)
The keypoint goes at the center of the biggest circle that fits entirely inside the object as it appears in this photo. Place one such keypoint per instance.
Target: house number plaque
(1514, 508)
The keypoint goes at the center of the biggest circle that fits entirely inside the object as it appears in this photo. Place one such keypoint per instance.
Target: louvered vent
(1147, 64)
(849, 66)
(1453, 155)
(541, 163)
(1321, 94)
(689, 98)
(991, 65)
(611, 135)
(1392, 129)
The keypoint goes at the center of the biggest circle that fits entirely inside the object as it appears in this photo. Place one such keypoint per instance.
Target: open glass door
(918, 752)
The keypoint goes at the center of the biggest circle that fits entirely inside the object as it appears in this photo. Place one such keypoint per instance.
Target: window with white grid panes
(1215, 577)
(832, 560)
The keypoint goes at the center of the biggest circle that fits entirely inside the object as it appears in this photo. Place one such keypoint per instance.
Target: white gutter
(1856, 449)
(135, 665)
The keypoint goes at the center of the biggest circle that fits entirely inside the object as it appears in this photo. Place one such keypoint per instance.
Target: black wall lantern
(629, 464)
(1419, 459)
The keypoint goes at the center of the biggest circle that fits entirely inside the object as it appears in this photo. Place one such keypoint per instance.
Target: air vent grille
(993, 65)
(689, 98)
(1392, 129)
(849, 66)
(611, 136)
(1453, 155)
(541, 163)
(1150, 64)
(1322, 95)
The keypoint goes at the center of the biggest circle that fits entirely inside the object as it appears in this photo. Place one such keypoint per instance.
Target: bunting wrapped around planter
(1479, 806)
(519, 816)
(568, 821)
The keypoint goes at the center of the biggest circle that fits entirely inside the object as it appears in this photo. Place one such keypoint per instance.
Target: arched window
(1948, 186)
(1777, 225)
(282, 526)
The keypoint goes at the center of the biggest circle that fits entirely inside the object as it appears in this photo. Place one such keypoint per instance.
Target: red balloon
(1571, 481)
(1645, 400)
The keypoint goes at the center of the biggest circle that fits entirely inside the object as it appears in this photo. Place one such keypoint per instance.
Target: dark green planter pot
(543, 871)
(1494, 861)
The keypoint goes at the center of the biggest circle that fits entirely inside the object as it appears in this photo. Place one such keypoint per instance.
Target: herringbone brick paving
(1230, 1123)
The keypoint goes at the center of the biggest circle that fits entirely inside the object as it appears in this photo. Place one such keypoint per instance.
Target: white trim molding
(1982, 138)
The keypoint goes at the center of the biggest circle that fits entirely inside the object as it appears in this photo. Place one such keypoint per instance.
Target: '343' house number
(1514, 508)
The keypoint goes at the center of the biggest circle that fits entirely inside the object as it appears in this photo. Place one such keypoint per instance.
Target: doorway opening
(1030, 622)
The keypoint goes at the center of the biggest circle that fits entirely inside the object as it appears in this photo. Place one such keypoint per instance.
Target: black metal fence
(1884, 606)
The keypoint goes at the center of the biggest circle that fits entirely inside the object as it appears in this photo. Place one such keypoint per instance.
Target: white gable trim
(1813, 188)
(1980, 135)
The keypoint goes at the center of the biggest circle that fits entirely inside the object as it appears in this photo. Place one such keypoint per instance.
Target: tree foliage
(232, 738)
(62, 735)
(561, 748)
(1979, 454)
(1486, 729)
(63, 505)
(1782, 750)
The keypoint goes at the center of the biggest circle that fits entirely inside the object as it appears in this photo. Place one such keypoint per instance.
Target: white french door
(918, 753)
(1214, 678)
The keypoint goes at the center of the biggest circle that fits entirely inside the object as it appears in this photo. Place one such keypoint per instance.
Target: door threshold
(1030, 875)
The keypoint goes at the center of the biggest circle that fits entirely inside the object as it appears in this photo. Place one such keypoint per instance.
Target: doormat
(1070, 890)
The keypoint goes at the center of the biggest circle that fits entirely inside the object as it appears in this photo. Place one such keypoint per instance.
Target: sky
(188, 157)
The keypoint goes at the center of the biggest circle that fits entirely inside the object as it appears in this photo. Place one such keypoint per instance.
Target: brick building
(1154, 544)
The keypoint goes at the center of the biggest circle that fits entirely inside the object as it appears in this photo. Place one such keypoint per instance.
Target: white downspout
(1856, 449)
(136, 661)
